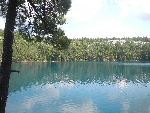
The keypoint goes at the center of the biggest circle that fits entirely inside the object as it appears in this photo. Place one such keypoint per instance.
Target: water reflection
(72, 87)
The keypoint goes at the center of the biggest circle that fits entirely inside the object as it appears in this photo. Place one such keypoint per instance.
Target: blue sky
(107, 18)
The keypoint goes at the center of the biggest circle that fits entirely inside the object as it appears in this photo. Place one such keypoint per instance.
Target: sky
(106, 18)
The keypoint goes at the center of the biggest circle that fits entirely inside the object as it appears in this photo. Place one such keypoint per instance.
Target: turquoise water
(80, 87)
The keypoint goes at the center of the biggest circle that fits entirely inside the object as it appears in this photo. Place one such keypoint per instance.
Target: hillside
(82, 49)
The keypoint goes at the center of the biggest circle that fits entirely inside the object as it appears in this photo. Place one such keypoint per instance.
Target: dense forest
(82, 49)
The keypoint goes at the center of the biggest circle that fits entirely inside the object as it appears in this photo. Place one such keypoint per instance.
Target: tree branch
(36, 11)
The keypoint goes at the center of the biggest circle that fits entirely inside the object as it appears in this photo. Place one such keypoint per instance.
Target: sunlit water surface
(80, 87)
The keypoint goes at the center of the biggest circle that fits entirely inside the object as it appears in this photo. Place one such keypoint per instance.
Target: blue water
(80, 87)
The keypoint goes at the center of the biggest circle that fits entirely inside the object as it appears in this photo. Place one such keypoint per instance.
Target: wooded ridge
(82, 49)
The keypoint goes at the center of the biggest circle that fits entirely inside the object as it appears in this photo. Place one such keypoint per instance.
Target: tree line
(82, 49)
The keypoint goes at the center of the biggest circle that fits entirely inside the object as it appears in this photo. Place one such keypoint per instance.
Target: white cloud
(44, 98)
(133, 7)
(2, 23)
(110, 27)
(125, 106)
(67, 85)
(84, 10)
(144, 16)
(27, 103)
(122, 84)
(86, 107)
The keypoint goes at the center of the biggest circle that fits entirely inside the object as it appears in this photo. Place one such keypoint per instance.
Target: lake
(80, 87)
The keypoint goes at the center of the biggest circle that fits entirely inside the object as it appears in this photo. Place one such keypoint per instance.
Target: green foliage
(125, 49)
(1, 33)
(40, 19)
(60, 41)
(1, 44)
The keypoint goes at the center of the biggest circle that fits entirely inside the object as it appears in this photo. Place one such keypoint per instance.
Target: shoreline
(79, 61)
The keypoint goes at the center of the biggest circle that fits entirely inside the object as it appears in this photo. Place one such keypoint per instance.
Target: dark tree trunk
(7, 53)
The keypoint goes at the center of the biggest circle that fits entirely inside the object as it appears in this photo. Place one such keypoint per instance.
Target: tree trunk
(7, 53)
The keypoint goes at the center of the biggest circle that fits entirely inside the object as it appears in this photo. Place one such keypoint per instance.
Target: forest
(81, 49)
